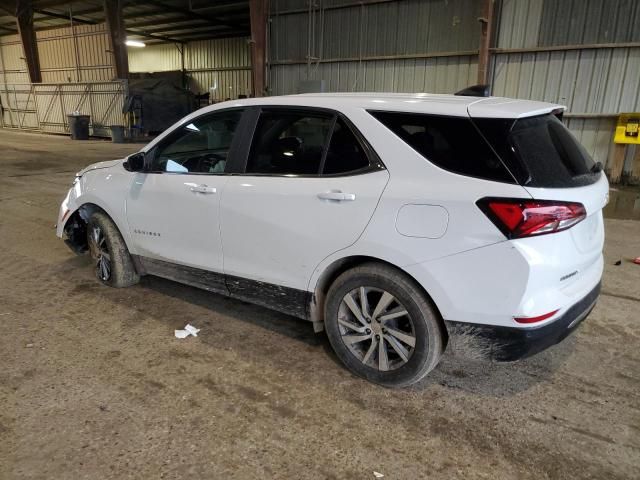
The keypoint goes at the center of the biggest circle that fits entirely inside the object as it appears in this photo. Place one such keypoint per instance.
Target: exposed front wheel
(382, 326)
(111, 259)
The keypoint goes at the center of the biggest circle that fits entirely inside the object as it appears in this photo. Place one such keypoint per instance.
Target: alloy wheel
(100, 253)
(376, 328)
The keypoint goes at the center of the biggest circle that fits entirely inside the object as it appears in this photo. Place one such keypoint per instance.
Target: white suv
(402, 224)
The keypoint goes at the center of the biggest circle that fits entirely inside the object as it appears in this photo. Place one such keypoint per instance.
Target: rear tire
(382, 326)
(113, 264)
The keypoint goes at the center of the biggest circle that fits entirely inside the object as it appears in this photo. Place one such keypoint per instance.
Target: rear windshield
(540, 151)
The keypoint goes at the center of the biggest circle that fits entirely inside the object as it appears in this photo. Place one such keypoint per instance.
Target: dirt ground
(94, 385)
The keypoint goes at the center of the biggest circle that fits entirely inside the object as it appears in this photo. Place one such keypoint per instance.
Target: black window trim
(327, 144)
(248, 134)
(150, 155)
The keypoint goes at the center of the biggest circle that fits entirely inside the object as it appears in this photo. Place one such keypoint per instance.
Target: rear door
(308, 187)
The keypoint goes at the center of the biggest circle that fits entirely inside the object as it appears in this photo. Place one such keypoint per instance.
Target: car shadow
(456, 373)
(277, 322)
(498, 379)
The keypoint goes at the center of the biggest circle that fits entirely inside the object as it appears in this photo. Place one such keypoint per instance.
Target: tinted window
(309, 143)
(289, 143)
(201, 146)
(452, 143)
(345, 153)
(540, 151)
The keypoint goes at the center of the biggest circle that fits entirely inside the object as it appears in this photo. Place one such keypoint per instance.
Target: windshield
(540, 151)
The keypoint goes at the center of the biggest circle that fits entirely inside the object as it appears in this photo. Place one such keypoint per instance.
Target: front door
(309, 188)
(172, 208)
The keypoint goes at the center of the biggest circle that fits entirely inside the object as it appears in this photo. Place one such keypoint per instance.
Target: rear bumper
(507, 344)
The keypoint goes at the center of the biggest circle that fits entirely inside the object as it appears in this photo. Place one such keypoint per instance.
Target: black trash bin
(79, 126)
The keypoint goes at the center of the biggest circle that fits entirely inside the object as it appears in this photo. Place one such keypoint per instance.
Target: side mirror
(135, 162)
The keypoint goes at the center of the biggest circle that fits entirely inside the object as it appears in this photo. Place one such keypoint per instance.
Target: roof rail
(475, 91)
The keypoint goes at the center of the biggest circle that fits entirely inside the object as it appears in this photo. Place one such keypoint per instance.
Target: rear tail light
(518, 218)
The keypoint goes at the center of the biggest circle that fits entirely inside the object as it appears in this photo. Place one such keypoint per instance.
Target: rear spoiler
(482, 90)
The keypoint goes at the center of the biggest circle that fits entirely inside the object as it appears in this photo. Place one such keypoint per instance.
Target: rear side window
(345, 153)
(451, 143)
(301, 143)
(289, 143)
(540, 151)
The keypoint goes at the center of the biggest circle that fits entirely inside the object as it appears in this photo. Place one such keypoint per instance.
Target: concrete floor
(93, 383)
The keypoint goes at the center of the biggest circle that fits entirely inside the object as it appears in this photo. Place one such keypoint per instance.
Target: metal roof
(153, 21)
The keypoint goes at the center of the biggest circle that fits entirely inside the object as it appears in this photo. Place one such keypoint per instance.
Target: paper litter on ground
(188, 330)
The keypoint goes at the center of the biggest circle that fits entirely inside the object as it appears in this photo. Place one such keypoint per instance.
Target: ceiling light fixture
(134, 43)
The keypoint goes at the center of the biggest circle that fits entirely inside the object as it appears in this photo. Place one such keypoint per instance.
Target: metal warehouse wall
(78, 54)
(77, 74)
(376, 46)
(12, 67)
(223, 65)
(584, 54)
(163, 57)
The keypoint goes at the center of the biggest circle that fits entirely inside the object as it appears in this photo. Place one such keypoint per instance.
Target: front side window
(304, 143)
(200, 146)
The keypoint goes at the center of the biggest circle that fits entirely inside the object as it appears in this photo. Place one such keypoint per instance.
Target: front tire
(113, 264)
(382, 326)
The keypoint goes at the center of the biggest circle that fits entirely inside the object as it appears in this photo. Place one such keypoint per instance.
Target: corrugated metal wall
(574, 22)
(439, 74)
(582, 54)
(77, 70)
(431, 46)
(163, 57)
(585, 54)
(78, 54)
(222, 67)
(374, 47)
(12, 66)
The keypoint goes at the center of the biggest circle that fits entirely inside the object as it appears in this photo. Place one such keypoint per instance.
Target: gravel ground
(94, 384)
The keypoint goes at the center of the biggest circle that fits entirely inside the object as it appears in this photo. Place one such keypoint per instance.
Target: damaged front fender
(74, 229)
(75, 233)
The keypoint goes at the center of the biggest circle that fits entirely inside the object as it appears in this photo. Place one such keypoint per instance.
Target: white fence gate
(44, 107)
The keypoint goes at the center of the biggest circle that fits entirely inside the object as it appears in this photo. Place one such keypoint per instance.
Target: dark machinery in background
(156, 101)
